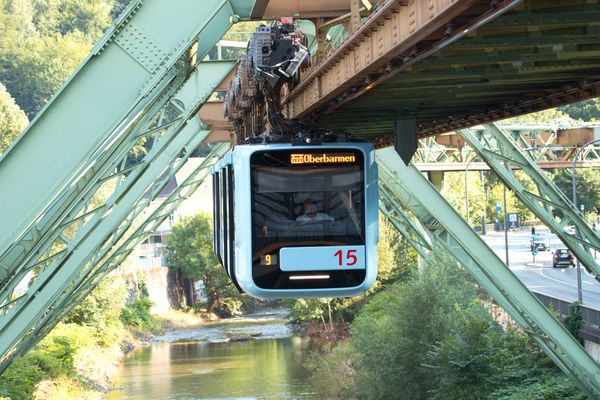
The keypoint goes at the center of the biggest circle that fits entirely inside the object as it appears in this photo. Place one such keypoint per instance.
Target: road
(559, 283)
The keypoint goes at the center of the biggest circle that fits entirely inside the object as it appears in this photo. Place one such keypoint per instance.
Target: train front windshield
(308, 222)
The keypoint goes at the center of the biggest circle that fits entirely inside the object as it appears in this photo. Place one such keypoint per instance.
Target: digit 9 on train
(297, 221)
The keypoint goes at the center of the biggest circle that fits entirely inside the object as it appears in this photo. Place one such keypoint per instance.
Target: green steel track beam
(127, 72)
(194, 91)
(117, 255)
(407, 186)
(59, 280)
(101, 232)
(496, 147)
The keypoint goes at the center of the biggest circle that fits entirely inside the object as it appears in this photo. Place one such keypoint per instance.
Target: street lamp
(467, 189)
(579, 291)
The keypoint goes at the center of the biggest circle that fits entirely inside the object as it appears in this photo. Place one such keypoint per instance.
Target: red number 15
(351, 258)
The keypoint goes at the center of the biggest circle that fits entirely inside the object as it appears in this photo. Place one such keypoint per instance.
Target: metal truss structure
(140, 88)
(440, 226)
(91, 162)
(497, 148)
(551, 145)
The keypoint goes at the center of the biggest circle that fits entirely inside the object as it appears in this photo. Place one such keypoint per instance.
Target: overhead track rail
(452, 65)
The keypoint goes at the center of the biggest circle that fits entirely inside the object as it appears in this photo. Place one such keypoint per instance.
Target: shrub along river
(217, 361)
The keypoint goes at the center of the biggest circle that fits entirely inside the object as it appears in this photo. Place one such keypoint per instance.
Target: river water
(202, 363)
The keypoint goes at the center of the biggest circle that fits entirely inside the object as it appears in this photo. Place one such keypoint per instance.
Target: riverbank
(93, 361)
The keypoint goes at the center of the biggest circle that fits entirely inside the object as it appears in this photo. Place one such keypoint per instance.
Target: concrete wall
(156, 282)
(593, 349)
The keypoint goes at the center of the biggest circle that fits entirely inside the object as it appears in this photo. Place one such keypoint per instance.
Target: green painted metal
(407, 186)
(496, 147)
(506, 67)
(129, 71)
(104, 228)
(117, 255)
(408, 227)
(540, 140)
(59, 280)
(195, 89)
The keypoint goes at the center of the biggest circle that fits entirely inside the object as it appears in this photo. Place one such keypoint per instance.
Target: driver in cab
(312, 214)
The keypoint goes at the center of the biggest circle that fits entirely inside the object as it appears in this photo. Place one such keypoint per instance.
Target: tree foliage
(190, 250)
(12, 119)
(431, 338)
(587, 183)
(101, 309)
(588, 110)
(44, 41)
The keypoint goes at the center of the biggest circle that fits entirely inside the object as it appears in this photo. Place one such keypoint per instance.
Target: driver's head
(310, 208)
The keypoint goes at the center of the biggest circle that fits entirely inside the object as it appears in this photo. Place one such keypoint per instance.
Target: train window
(307, 204)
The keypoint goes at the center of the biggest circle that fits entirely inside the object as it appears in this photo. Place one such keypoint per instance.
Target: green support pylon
(132, 68)
(150, 222)
(406, 185)
(196, 89)
(501, 153)
(103, 228)
(408, 227)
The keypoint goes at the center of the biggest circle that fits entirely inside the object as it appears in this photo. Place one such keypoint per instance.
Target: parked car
(540, 242)
(563, 257)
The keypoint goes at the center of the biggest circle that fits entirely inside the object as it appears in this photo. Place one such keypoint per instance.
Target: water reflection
(267, 368)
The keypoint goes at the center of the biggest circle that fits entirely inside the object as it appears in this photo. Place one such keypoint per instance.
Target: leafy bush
(52, 357)
(431, 338)
(333, 371)
(101, 311)
(573, 321)
(138, 315)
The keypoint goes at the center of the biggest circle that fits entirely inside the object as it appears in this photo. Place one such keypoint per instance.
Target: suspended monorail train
(295, 221)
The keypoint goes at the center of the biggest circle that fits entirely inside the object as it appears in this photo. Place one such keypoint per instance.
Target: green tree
(551, 114)
(455, 193)
(34, 69)
(587, 183)
(12, 119)
(101, 309)
(395, 256)
(190, 253)
(43, 43)
(588, 110)
(431, 338)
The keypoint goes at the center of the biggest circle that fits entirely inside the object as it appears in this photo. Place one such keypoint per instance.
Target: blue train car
(297, 221)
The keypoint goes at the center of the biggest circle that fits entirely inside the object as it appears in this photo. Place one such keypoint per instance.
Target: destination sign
(322, 158)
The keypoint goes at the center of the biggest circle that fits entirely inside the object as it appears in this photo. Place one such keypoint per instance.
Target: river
(202, 363)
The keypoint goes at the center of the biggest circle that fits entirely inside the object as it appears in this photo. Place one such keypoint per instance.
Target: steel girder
(540, 141)
(195, 90)
(501, 153)
(101, 229)
(129, 74)
(150, 221)
(402, 185)
(409, 228)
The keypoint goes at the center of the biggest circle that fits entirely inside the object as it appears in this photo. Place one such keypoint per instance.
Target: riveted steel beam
(412, 189)
(91, 278)
(103, 230)
(196, 89)
(127, 73)
(378, 50)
